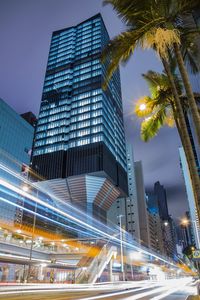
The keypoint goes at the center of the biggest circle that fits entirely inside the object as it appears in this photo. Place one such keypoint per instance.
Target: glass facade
(75, 111)
(16, 137)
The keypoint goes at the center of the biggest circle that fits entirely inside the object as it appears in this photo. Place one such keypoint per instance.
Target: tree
(158, 25)
(159, 110)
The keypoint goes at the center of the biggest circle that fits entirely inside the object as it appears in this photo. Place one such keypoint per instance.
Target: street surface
(176, 289)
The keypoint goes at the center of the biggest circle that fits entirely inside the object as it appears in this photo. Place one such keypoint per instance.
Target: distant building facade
(142, 205)
(16, 137)
(128, 206)
(158, 207)
(190, 197)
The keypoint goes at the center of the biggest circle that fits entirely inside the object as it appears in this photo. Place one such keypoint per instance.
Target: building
(15, 142)
(142, 205)
(155, 232)
(158, 208)
(30, 118)
(128, 206)
(133, 226)
(190, 197)
(160, 193)
(79, 142)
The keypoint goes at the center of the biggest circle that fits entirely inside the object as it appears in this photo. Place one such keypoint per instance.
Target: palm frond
(118, 50)
(151, 126)
(162, 39)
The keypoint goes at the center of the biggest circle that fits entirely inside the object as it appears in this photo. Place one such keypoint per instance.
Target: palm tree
(158, 25)
(160, 109)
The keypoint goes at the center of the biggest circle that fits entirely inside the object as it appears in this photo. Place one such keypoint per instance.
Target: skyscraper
(160, 193)
(190, 198)
(80, 131)
(128, 206)
(142, 205)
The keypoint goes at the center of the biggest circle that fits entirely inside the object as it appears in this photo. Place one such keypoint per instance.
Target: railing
(98, 264)
(40, 246)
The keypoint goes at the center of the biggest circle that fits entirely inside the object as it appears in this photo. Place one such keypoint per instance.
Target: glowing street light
(25, 188)
(142, 106)
(166, 223)
(185, 222)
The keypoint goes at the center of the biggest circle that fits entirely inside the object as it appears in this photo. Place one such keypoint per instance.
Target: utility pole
(121, 247)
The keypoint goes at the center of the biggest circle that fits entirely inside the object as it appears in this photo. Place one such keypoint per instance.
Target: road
(177, 289)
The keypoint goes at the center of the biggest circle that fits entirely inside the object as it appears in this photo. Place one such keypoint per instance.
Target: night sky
(25, 34)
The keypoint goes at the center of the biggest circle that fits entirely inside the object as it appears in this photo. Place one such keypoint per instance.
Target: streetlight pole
(121, 247)
(32, 239)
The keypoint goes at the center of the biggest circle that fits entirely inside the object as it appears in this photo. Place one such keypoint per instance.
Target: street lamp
(32, 238)
(121, 246)
(142, 106)
(25, 188)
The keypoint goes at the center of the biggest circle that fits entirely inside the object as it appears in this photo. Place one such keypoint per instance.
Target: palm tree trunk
(188, 89)
(182, 129)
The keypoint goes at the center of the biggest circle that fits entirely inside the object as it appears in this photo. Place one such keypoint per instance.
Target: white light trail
(29, 183)
(80, 222)
(44, 217)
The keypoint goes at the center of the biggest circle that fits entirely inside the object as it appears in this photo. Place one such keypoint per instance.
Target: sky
(25, 33)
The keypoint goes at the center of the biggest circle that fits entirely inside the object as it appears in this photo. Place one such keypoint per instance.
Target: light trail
(75, 209)
(113, 238)
(45, 217)
(25, 258)
(168, 286)
(46, 288)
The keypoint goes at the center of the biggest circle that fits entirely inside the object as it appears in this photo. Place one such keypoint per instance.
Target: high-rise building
(16, 137)
(160, 193)
(190, 197)
(128, 206)
(158, 208)
(133, 225)
(155, 232)
(142, 205)
(79, 141)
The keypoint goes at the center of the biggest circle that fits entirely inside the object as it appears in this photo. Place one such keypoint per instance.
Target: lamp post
(121, 247)
(32, 239)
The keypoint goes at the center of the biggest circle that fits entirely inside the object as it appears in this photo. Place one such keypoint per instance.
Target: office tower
(155, 232)
(190, 197)
(15, 142)
(142, 205)
(127, 207)
(160, 193)
(157, 205)
(169, 238)
(79, 141)
(155, 223)
(132, 201)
